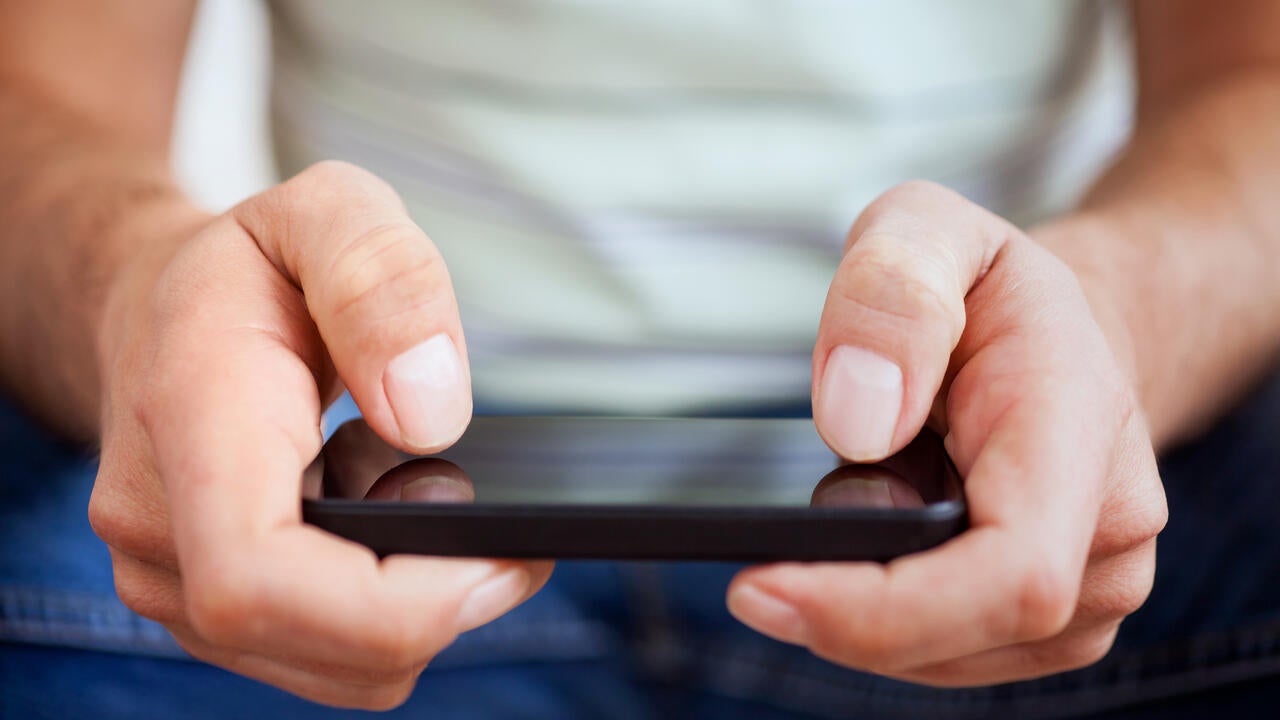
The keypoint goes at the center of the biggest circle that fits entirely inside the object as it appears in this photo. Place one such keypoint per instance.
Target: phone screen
(602, 461)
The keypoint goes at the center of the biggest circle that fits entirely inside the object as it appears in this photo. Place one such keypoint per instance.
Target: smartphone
(739, 489)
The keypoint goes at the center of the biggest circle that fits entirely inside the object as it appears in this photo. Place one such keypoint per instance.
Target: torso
(642, 204)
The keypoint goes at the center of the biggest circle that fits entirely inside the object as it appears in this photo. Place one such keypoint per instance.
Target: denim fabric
(644, 640)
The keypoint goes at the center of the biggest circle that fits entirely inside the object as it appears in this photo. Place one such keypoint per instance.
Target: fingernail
(492, 598)
(428, 391)
(768, 614)
(437, 489)
(858, 402)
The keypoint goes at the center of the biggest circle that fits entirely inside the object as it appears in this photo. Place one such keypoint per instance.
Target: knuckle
(127, 524)
(147, 599)
(1150, 513)
(901, 205)
(132, 597)
(1046, 600)
(334, 174)
(388, 270)
(324, 192)
(911, 191)
(1134, 524)
(1136, 587)
(1113, 597)
(106, 519)
(1130, 599)
(1136, 510)
(889, 276)
(1148, 506)
(126, 508)
(1155, 516)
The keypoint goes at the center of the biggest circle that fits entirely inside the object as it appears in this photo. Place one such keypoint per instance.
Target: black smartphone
(743, 489)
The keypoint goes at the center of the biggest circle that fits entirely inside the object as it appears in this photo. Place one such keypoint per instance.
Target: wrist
(72, 232)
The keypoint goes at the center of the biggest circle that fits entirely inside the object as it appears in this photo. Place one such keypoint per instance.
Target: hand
(219, 354)
(943, 312)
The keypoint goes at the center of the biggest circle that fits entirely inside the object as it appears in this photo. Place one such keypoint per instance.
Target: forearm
(76, 200)
(1178, 246)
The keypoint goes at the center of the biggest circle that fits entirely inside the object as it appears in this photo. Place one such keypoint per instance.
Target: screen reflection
(632, 461)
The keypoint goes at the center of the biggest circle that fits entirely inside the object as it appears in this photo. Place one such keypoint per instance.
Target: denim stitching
(90, 620)
(94, 621)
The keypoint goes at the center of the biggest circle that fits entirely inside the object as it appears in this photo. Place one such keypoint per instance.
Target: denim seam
(94, 621)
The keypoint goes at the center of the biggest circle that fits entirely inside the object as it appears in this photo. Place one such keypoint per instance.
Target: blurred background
(222, 137)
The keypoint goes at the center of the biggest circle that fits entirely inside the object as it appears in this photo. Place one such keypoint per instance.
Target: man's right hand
(218, 356)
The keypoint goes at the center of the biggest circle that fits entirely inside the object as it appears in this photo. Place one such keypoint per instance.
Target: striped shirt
(642, 203)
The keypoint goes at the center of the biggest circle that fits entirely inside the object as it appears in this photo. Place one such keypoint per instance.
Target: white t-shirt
(642, 203)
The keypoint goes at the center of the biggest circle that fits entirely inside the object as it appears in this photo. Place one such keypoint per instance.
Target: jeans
(653, 640)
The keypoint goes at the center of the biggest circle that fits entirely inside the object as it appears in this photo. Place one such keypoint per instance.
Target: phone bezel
(751, 533)
(639, 532)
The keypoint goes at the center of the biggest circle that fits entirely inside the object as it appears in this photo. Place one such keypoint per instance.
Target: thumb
(894, 313)
(380, 295)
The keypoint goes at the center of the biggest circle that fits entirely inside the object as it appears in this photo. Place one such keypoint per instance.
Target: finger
(152, 591)
(1013, 577)
(330, 687)
(379, 292)
(1033, 448)
(127, 508)
(1113, 589)
(1134, 510)
(234, 417)
(894, 313)
(155, 593)
(1025, 661)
